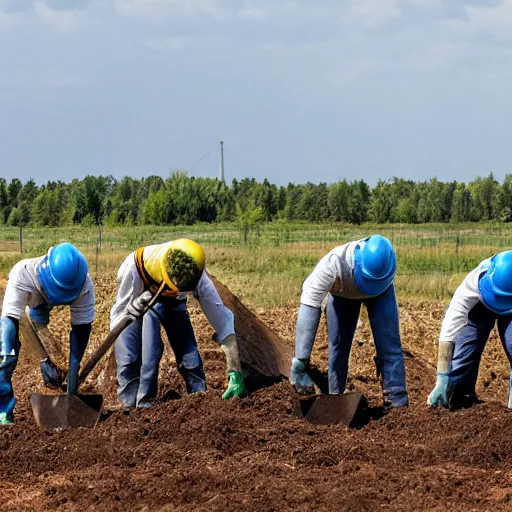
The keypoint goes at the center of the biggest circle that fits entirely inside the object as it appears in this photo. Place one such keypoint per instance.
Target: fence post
(21, 239)
(98, 248)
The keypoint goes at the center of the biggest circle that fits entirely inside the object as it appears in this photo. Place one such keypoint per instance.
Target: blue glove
(440, 395)
(299, 377)
(52, 378)
(40, 314)
(78, 340)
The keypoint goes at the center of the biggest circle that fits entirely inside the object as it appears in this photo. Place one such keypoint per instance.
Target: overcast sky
(306, 90)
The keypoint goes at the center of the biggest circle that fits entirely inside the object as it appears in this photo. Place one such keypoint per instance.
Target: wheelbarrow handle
(95, 357)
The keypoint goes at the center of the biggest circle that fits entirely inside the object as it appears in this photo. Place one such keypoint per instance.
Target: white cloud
(63, 21)
(440, 57)
(166, 43)
(155, 10)
(251, 13)
(374, 13)
(491, 18)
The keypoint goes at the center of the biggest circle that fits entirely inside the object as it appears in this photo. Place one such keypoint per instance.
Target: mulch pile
(200, 452)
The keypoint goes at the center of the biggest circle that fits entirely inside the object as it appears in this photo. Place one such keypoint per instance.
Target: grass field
(266, 264)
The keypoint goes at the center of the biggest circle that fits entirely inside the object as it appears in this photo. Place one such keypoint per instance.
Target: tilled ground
(200, 452)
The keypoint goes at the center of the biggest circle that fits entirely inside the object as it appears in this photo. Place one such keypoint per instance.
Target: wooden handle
(31, 337)
(95, 357)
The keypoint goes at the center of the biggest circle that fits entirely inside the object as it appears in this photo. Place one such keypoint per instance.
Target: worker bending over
(58, 278)
(483, 299)
(357, 272)
(180, 265)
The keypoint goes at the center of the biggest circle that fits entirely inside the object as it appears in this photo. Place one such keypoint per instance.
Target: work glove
(443, 389)
(236, 386)
(299, 377)
(6, 418)
(230, 347)
(52, 377)
(137, 306)
(440, 395)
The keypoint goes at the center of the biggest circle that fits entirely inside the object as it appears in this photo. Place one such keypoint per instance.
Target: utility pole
(221, 167)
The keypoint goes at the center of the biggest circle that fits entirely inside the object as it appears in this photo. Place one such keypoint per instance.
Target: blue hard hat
(62, 273)
(375, 265)
(495, 286)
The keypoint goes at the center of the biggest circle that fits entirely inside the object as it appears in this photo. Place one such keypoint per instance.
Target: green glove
(236, 386)
(5, 419)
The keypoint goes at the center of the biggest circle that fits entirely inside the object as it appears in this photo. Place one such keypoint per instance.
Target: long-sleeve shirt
(464, 299)
(130, 286)
(334, 273)
(23, 288)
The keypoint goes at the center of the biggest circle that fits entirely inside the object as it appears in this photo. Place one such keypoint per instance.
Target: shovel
(332, 409)
(63, 411)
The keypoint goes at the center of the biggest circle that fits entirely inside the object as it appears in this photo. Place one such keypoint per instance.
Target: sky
(299, 91)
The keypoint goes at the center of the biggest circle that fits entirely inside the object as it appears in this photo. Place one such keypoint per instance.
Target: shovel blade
(330, 409)
(62, 411)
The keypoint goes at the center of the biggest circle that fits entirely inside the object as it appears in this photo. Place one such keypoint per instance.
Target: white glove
(139, 304)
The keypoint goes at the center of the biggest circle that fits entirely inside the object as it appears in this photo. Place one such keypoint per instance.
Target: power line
(202, 158)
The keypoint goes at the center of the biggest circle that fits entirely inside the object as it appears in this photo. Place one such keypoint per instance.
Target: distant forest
(183, 199)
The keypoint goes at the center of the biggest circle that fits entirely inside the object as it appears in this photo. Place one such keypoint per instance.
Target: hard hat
(375, 265)
(495, 286)
(179, 264)
(183, 264)
(62, 273)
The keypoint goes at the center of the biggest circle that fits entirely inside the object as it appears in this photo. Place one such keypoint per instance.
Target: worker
(58, 278)
(357, 272)
(483, 299)
(180, 264)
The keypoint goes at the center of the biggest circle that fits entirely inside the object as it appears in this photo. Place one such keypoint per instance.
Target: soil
(199, 452)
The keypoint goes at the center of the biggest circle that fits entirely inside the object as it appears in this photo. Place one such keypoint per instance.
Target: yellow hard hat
(182, 265)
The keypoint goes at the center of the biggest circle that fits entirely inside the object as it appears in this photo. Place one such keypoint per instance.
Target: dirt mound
(200, 452)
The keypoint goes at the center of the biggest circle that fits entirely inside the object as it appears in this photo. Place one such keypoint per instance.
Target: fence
(273, 259)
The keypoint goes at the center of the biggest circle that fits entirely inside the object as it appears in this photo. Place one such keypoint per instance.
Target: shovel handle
(112, 337)
(31, 336)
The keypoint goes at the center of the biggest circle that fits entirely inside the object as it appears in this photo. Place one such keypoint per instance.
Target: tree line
(183, 199)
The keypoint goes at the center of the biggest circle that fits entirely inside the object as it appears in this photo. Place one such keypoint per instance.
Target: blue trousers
(342, 316)
(139, 349)
(469, 345)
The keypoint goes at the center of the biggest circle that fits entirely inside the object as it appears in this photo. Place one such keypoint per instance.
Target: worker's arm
(465, 298)
(314, 292)
(78, 341)
(222, 320)
(129, 288)
(82, 316)
(9, 342)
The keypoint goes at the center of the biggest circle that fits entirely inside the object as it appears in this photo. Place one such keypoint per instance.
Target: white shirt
(464, 299)
(23, 288)
(334, 273)
(130, 286)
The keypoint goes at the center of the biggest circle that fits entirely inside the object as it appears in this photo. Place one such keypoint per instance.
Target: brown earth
(202, 453)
